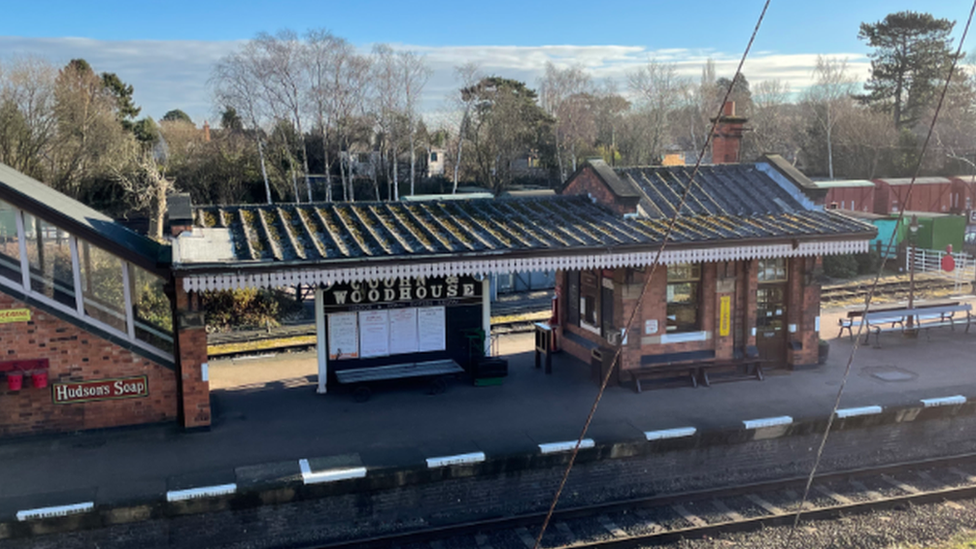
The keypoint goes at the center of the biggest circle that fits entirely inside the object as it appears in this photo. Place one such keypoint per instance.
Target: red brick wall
(804, 314)
(75, 355)
(587, 182)
(192, 344)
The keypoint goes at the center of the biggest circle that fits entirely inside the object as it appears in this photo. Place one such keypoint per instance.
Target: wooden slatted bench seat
(436, 370)
(657, 367)
(924, 318)
(746, 366)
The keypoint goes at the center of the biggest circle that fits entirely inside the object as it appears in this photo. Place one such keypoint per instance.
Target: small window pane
(9, 243)
(101, 285)
(49, 254)
(151, 310)
(772, 270)
(682, 297)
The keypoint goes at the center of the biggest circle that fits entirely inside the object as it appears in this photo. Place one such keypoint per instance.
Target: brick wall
(588, 182)
(191, 340)
(75, 355)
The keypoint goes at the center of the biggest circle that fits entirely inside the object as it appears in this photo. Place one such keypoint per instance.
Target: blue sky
(165, 49)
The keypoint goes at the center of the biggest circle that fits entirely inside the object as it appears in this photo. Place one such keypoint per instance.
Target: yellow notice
(724, 315)
(14, 315)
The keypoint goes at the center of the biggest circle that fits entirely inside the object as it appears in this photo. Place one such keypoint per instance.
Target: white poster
(403, 331)
(374, 333)
(343, 336)
(433, 331)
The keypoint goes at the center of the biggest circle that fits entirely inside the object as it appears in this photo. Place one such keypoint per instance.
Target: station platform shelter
(112, 321)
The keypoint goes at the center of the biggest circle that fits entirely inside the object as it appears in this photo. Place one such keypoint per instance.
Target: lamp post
(912, 234)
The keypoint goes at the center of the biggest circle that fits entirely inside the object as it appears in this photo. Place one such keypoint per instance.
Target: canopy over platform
(267, 246)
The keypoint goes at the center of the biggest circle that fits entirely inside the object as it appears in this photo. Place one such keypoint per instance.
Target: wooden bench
(688, 364)
(436, 370)
(746, 366)
(854, 316)
(924, 318)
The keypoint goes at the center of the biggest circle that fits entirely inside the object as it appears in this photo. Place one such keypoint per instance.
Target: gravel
(924, 526)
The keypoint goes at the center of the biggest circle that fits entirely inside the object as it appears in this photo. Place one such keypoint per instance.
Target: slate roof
(336, 232)
(724, 189)
(87, 223)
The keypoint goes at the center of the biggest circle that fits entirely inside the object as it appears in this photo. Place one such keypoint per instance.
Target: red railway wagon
(963, 193)
(849, 194)
(931, 194)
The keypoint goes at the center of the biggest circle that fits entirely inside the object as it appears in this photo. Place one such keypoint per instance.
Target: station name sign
(405, 292)
(100, 389)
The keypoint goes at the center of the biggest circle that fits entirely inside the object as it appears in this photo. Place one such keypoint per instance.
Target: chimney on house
(728, 135)
(179, 209)
(206, 131)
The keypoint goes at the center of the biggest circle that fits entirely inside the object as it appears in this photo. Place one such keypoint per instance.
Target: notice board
(343, 336)
(432, 329)
(403, 331)
(374, 333)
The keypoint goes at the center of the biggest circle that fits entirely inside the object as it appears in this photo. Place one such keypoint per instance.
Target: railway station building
(101, 327)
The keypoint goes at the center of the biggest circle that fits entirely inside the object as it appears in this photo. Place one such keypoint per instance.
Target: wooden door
(771, 324)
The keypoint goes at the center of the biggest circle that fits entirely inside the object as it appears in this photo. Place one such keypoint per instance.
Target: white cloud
(173, 74)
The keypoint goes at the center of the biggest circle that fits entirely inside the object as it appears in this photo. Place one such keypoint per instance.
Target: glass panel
(151, 310)
(9, 243)
(684, 271)
(101, 285)
(682, 308)
(49, 254)
(772, 270)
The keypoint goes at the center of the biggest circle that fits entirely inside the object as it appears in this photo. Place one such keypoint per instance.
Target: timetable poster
(433, 330)
(343, 336)
(403, 331)
(374, 333)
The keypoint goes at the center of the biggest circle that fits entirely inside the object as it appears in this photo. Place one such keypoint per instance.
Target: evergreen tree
(912, 53)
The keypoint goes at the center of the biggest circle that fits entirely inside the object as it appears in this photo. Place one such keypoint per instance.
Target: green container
(936, 231)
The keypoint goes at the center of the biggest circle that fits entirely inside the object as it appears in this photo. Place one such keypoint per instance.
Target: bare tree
(414, 73)
(659, 93)
(236, 84)
(145, 187)
(468, 75)
(832, 88)
(772, 121)
(284, 80)
(27, 121)
(567, 95)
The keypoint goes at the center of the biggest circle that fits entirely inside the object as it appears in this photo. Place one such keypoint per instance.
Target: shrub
(840, 266)
(249, 308)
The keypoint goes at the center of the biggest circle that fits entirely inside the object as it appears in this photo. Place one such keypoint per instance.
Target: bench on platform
(922, 318)
(746, 366)
(655, 367)
(854, 316)
(436, 370)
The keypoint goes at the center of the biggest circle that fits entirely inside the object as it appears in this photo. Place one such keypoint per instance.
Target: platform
(267, 411)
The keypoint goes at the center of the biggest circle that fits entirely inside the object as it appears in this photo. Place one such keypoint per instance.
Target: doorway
(771, 311)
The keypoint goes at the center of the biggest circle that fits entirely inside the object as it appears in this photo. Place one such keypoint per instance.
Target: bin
(15, 380)
(39, 379)
(601, 359)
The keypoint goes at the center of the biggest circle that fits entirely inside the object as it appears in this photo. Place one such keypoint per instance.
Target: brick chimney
(206, 131)
(728, 136)
(180, 212)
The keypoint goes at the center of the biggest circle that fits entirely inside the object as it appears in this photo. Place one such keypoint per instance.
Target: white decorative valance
(295, 276)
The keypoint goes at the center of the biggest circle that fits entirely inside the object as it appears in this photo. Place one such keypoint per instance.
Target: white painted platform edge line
(767, 422)
(55, 511)
(943, 401)
(567, 446)
(201, 492)
(460, 459)
(329, 475)
(860, 411)
(677, 432)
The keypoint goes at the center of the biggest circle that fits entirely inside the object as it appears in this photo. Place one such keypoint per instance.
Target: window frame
(694, 278)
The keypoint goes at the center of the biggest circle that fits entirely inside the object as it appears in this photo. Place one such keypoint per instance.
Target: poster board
(431, 329)
(403, 331)
(343, 336)
(374, 333)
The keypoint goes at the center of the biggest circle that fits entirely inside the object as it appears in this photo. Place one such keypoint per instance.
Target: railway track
(663, 519)
(895, 288)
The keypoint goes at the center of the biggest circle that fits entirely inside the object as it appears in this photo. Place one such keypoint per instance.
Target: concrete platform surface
(266, 411)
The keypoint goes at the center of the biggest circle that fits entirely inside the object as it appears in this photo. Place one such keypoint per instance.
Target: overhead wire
(874, 285)
(640, 299)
